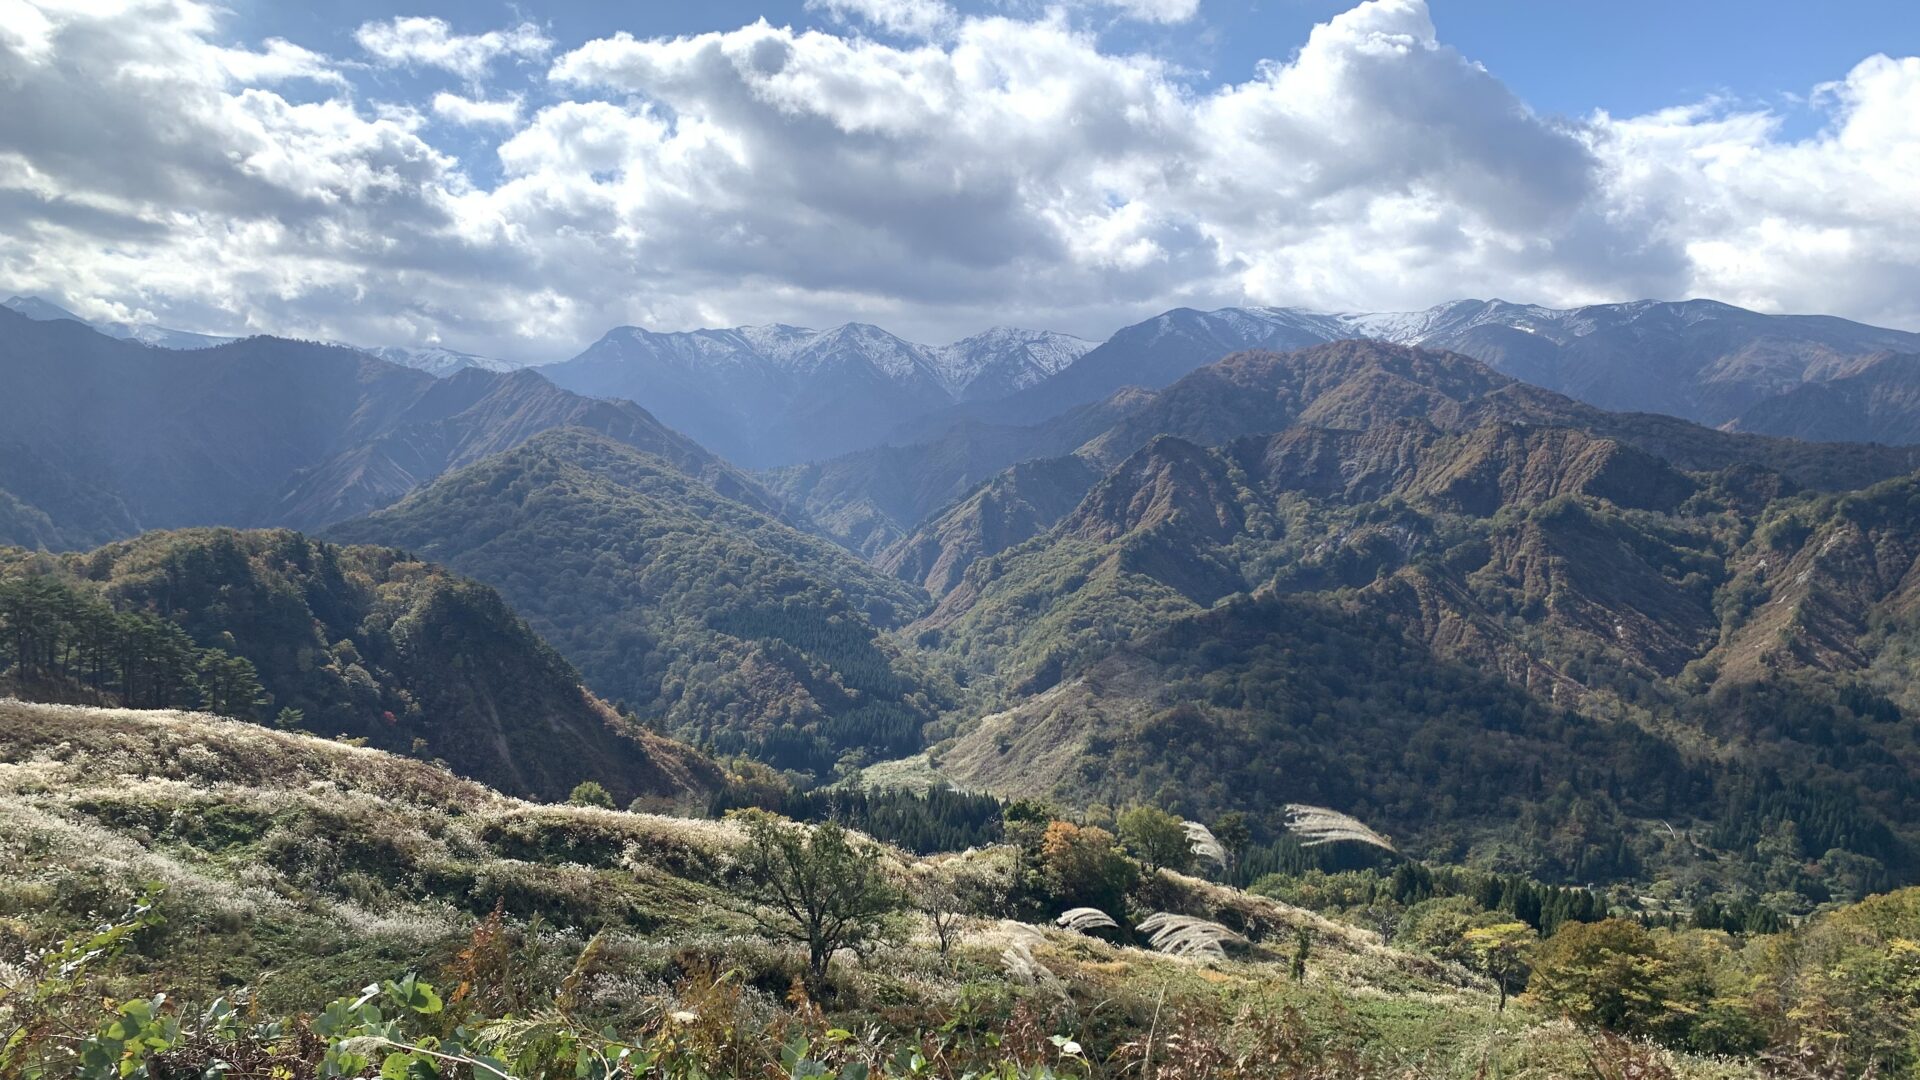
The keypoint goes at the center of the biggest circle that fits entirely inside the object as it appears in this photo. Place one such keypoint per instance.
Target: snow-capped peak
(437, 361)
(895, 357)
(1010, 357)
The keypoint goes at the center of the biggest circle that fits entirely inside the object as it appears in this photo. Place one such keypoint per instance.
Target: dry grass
(338, 847)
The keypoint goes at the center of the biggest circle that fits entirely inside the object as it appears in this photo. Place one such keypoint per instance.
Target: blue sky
(515, 178)
(1562, 56)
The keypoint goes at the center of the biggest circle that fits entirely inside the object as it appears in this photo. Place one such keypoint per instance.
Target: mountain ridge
(777, 394)
(106, 438)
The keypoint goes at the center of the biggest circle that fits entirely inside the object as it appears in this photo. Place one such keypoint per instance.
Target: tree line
(61, 643)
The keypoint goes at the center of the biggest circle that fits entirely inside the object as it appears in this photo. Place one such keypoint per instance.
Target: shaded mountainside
(372, 644)
(1019, 503)
(1877, 399)
(870, 499)
(708, 618)
(472, 414)
(105, 438)
(1696, 359)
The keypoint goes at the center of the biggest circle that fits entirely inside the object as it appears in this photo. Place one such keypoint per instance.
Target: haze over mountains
(768, 396)
(104, 438)
(431, 359)
(775, 395)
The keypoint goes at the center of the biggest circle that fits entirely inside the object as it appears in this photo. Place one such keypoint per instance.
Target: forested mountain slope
(355, 641)
(708, 618)
(1662, 588)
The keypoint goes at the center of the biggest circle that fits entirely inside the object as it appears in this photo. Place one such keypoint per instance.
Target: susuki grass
(296, 870)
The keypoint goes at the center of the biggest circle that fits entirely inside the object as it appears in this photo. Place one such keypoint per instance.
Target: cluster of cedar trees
(939, 819)
(61, 643)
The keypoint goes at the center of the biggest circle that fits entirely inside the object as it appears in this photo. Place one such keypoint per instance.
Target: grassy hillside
(292, 870)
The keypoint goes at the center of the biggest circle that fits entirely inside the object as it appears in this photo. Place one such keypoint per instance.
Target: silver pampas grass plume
(1201, 841)
(1082, 919)
(1018, 962)
(1184, 935)
(1316, 825)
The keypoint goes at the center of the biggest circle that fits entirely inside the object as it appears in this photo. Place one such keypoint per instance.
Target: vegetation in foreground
(186, 896)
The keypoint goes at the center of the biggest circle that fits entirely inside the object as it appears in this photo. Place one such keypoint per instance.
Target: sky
(516, 178)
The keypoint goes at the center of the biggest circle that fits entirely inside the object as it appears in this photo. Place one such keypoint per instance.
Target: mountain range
(102, 438)
(431, 359)
(1219, 622)
(777, 395)
(1698, 359)
(774, 395)
(1323, 574)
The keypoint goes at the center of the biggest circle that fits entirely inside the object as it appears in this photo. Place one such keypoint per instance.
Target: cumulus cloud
(416, 41)
(1827, 223)
(964, 170)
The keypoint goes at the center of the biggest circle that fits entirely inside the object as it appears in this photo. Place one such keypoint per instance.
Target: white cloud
(416, 41)
(471, 112)
(1827, 223)
(281, 61)
(995, 169)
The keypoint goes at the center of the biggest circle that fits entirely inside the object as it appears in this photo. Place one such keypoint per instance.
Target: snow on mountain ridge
(1034, 355)
(1012, 356)
(437, 361)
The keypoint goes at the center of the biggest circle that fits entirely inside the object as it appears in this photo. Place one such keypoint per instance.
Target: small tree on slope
(819, 886)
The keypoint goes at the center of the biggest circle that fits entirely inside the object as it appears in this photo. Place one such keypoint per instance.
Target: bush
(1080, 867)
(590, 793)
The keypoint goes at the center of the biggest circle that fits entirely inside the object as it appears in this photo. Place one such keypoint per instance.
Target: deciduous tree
(820, 886)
